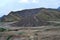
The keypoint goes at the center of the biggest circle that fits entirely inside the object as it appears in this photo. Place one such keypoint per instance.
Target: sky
(7, 6)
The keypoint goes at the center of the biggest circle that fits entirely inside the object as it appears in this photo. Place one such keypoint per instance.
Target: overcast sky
(13, 5)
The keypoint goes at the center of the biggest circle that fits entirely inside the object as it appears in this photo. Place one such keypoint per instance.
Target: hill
(33, 17)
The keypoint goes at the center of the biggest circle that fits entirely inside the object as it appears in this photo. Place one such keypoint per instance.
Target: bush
(2, 29)
(9, 37)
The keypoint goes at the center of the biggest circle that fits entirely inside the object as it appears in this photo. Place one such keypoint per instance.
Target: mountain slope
(10, 17)
(33, 17)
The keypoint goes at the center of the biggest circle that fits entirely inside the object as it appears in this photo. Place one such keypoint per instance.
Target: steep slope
(33, 17)
(31, 21)
(10, 17)
(49, 15)
(17, 15)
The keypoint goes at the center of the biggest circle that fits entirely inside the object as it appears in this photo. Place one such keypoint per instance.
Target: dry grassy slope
(49, 15)
(45, 33)
(10, 18)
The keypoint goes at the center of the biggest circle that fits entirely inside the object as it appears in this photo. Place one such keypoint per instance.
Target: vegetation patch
(2, 29)
(9, 37)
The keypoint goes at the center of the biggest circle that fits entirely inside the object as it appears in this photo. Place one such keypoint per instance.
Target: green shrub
(2, 29)
(22, 33)
(10, 36)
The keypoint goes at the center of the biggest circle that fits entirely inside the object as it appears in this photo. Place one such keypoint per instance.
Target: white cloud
(28, 1)
(35, 1)
(23, 1)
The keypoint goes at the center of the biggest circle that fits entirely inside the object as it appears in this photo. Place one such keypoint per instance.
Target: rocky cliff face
(32, 17)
